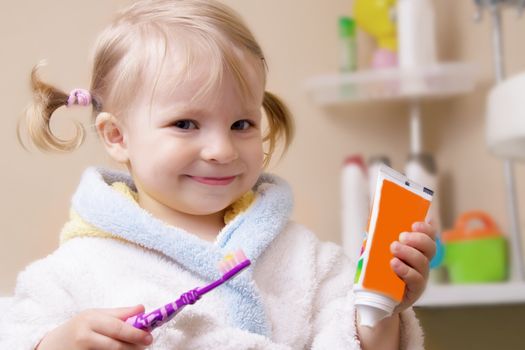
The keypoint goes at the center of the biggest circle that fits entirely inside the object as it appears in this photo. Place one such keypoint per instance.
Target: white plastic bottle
(416, 42)
(416, 33)
(422, 169)
(374, 163)
(355, 205)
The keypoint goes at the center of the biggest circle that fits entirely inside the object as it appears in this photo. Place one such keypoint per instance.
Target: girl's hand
(98, 329)
(412, 255)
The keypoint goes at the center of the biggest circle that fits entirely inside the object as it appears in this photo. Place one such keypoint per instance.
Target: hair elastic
(80, 97)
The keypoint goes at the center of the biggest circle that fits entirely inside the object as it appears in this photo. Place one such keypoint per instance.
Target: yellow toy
(377, 18)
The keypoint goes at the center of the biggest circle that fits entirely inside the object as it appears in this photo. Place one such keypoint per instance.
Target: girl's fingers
(411, 257)
(121, 331)
(414, 281)
(425, 228)
(419, 241)
(100, 341)
(124, 312)
(111, 325)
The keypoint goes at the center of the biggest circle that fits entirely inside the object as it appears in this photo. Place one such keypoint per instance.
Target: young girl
(177, 94)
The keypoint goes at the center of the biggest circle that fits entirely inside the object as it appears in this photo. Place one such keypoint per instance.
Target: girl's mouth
(214, 181)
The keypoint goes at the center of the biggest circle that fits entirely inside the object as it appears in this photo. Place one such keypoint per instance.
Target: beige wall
(300, 40)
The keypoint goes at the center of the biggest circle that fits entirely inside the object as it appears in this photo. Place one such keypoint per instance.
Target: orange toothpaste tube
(398, 203)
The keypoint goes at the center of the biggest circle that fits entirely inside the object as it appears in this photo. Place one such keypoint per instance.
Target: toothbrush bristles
(231, 260)
(239, 256)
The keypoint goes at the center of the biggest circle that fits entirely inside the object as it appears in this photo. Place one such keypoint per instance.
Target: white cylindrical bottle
(416, 33)
(416, 43)
(374, 163)
(422, 169)
(355, 205)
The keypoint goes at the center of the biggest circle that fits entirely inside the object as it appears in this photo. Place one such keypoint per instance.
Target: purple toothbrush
(229, 267)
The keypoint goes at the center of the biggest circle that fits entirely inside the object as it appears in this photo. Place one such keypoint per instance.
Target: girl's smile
(214, 181)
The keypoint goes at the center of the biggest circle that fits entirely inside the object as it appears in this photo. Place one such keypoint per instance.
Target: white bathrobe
(296, 295)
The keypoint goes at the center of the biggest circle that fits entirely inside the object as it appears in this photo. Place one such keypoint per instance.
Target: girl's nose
(219, 149)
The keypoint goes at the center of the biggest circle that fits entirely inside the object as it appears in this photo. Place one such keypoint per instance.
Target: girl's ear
(112, 134)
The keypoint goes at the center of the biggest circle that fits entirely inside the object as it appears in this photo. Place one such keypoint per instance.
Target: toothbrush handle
(150, 321)
(227, 276)
(158, 317)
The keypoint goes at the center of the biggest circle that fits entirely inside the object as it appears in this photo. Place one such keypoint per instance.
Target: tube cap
(346, 27)
(372, 307)
(369, 316)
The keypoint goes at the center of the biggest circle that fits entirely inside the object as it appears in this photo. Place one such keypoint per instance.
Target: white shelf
(473, 294)
(436, 81)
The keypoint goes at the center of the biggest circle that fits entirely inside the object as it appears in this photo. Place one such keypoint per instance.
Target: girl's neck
(206, 227)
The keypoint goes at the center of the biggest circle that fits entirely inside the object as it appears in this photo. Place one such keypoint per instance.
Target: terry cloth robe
(297, 294)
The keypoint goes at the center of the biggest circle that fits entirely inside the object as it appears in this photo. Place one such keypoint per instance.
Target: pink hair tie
(80, 97)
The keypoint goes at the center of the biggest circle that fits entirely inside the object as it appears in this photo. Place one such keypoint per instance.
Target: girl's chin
(208, 210)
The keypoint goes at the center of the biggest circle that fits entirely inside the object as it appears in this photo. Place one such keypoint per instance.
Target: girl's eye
(242, 125)
(185, 124)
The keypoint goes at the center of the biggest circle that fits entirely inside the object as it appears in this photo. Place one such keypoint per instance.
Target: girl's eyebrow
(171, 111)
(187, 110)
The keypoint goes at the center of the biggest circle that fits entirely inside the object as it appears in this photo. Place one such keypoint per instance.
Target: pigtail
(46, 100)
(280, 124)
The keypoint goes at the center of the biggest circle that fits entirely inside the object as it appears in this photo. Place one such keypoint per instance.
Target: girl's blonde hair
(139, 39)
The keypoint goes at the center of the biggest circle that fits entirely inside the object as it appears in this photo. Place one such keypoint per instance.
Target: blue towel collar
(252, 231)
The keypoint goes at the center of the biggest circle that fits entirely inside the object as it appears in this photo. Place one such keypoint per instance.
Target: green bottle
(348, 49)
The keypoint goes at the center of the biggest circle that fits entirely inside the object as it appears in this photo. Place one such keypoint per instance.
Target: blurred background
(310, 52)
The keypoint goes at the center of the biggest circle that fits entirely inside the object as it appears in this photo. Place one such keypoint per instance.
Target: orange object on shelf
(463, 229)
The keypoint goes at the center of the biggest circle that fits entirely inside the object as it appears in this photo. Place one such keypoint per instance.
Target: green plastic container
(477, 260)
(475, 255)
